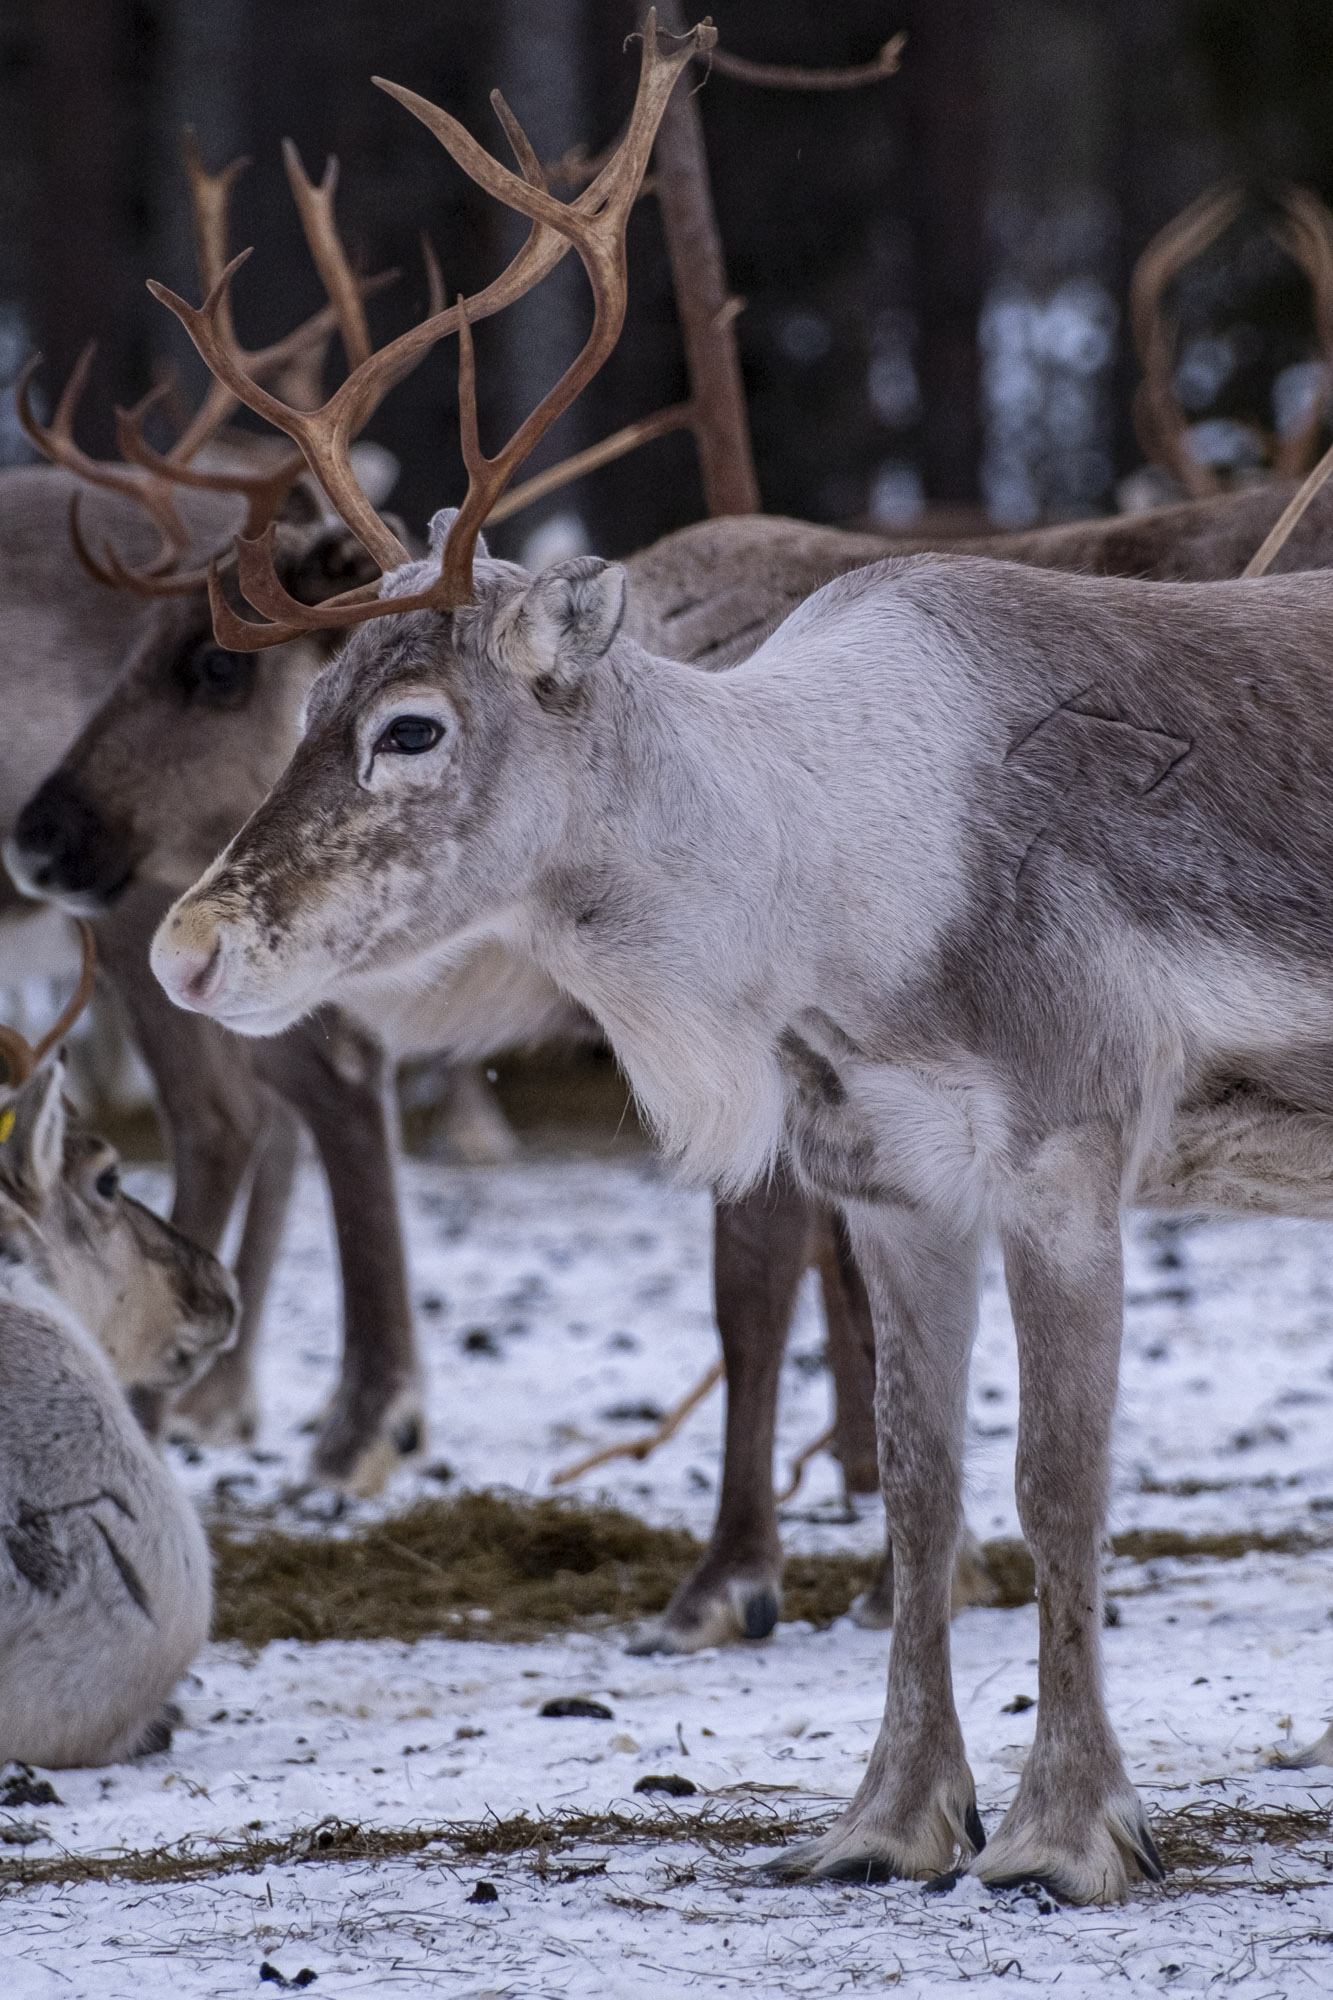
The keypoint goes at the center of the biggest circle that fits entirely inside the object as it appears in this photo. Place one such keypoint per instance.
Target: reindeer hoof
(219, 1409)
(1112, 1852)
(357, 1449)
(157, 1733)
(739, 1611)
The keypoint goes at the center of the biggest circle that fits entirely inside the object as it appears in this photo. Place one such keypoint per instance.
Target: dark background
(934, 267)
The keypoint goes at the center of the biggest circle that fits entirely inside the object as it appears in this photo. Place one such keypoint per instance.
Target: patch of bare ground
(716, 1829)
(533, 1567)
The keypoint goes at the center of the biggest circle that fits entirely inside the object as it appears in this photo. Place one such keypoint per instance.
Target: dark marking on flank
(129, 1576)
(36, 1554)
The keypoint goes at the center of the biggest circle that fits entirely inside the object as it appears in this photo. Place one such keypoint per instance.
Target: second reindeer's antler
(22, 1057)
(593, 225)
(151, 477)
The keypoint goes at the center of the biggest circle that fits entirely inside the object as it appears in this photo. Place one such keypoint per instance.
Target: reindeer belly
(1244, 1152)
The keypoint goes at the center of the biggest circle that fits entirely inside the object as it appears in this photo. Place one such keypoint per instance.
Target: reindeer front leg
(1076, 1825)
(915, 1810)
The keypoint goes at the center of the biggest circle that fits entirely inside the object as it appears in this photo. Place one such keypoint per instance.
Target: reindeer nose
(188, 959)
(64, 850)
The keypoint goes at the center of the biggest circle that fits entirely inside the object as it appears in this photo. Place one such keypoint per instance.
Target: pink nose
(189, 966)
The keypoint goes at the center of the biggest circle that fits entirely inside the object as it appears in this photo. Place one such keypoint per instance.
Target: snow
(590, 1279)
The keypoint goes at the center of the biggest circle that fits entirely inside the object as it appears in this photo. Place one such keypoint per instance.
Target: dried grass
(718, 1829)
(1198, 1842)
(540, 1566)
(534, 1566)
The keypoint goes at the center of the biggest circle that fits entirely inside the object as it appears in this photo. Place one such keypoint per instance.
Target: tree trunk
(685, 197)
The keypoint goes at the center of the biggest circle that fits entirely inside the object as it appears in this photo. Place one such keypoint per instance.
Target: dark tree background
(933, 268)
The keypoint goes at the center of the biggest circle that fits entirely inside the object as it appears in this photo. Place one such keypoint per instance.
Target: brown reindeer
(228, 1112)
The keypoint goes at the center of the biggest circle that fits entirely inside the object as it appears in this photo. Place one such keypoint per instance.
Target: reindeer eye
(410, 735)
(220, 679)
(108, 1183)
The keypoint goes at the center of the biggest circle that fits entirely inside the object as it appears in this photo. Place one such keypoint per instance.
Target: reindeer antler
(593, 225)
(21, 1056)
(1158, 418)
(1306, 234)
(263, 491)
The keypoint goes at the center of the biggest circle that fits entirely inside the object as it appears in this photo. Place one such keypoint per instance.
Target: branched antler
(593, 225)
(1306, 234)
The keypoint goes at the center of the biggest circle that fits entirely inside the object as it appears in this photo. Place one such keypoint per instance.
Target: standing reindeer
(987, 898)
(104, 1570)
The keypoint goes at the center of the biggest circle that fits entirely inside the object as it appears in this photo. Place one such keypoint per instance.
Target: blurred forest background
(933, 267)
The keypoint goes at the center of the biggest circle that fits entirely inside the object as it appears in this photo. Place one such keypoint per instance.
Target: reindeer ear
(440, 525)
(32, 1132)
(563, 622)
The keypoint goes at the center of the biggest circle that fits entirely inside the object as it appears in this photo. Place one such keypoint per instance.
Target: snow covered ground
(550, 1296)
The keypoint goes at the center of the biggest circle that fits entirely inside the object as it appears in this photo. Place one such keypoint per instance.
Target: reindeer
(985, 898)
(104, 1577)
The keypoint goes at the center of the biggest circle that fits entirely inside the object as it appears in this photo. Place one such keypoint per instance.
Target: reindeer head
(160, 1307)
(432, 785)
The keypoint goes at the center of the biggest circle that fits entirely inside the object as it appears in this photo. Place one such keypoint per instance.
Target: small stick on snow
(640, 1447)
(802, 1459)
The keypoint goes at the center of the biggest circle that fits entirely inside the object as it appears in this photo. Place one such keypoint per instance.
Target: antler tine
(18, 1056)
(56, 442)
(314, 205)
(531, 168)
(21, 1056)
(1158, 417)
(79, 999)
(1306, 234)
(210, 206)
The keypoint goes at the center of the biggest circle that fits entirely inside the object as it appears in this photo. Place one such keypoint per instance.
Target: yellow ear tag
(6, 1123)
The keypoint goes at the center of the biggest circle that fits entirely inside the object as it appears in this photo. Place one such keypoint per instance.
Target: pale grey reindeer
(105, 1588)
(990, 898)
(985, 898)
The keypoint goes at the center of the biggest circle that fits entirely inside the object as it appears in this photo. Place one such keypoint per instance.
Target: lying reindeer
(988, 898)
(104, 1577)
